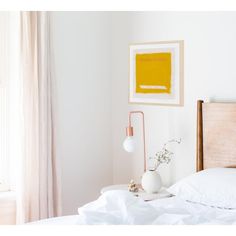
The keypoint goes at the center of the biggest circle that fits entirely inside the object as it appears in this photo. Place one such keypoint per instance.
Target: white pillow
(212, 187)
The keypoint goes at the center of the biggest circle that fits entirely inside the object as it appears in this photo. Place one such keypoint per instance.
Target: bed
(206, 197)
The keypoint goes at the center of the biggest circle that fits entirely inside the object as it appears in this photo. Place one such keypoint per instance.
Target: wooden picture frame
(157, 73)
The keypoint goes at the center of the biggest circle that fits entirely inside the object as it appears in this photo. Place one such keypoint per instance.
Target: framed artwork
(156, 73)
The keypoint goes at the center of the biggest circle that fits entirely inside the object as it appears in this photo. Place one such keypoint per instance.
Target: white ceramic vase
(151, 181)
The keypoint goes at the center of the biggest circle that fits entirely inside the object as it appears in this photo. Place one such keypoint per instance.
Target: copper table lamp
(129, 144)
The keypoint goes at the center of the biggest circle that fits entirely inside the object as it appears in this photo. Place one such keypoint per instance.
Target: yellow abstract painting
(153, 73)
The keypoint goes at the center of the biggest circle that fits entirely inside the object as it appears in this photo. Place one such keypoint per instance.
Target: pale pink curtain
(38, 184)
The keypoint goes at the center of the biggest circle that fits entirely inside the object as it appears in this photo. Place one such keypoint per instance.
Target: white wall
(210, 74)
(92, 68)
(82, 62)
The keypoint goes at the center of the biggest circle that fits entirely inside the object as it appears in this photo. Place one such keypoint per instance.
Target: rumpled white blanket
(121, 207)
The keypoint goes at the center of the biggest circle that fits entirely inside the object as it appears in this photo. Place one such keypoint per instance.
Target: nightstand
(141, 193)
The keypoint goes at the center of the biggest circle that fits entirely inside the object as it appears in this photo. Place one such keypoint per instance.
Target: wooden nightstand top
(141, 193)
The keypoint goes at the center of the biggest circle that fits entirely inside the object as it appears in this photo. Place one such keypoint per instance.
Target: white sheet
(121, 207)
(63, 220)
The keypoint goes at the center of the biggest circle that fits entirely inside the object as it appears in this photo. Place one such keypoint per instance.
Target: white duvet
(121, 207)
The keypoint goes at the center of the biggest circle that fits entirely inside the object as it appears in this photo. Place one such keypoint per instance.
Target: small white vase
(151, 181)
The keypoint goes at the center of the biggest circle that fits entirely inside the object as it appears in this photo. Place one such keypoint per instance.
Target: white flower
(163, 156)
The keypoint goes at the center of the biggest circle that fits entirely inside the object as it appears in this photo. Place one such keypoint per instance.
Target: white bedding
(121, 207)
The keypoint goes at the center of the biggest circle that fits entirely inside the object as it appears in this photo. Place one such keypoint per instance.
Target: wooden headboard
(216, 135)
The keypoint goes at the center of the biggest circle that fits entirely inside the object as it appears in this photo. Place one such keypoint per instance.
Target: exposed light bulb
(129, 144)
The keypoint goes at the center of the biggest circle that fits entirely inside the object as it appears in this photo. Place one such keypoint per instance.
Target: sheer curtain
(10, 118)
(38, 184)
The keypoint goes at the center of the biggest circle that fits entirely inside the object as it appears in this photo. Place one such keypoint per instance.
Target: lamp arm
(144, 141)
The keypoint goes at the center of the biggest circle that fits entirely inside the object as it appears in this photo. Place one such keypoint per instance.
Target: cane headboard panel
(216, 135)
